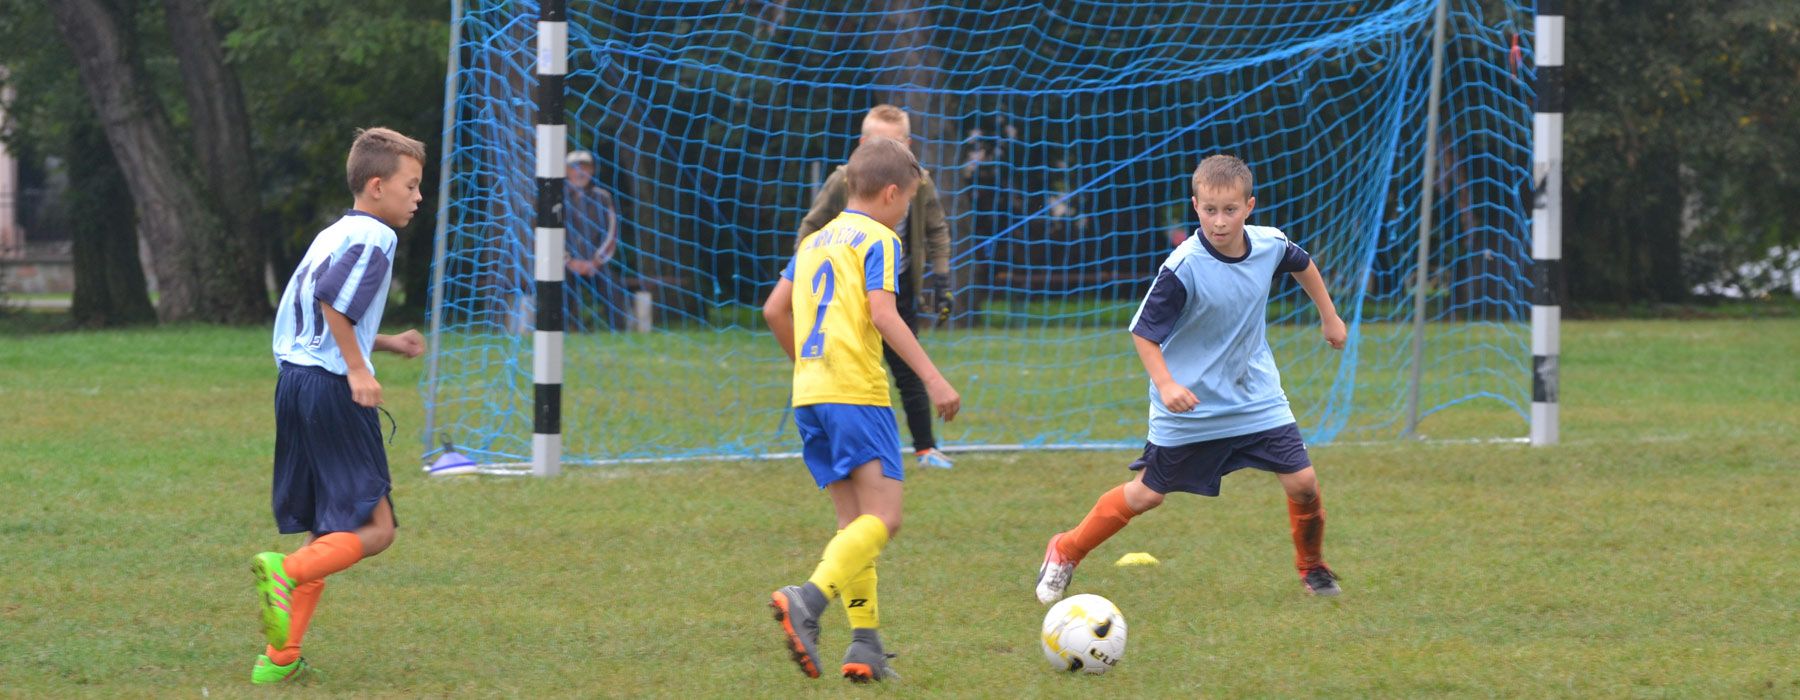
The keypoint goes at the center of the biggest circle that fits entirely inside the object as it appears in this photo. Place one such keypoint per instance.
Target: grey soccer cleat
(797, 609)
(865, 661)
(1320, 581)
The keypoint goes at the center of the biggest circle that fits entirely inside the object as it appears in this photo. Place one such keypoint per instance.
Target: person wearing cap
(592, 223)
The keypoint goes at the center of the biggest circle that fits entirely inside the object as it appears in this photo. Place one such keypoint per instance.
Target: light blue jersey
(1208, 312)
(348, 266)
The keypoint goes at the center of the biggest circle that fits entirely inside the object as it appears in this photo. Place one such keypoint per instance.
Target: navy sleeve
(350, 284)
(1161, 308)
(1294, 259)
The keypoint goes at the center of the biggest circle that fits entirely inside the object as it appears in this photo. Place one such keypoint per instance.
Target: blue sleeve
(1294, 259)
(354, 277)
(878, 267)
(1162, 307)
(788, 273)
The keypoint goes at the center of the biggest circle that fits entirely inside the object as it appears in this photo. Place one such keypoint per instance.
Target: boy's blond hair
(878, 162)
(376, 153)
(888, 114)
(1220, 172)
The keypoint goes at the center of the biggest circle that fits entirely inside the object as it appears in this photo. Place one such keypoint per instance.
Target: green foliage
(1678, 110)
(314, 71)
(47, 93)
(50, 117)
(1641, 558)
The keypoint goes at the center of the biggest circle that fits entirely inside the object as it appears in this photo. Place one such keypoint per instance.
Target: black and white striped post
(1546, 222)
(552, 142)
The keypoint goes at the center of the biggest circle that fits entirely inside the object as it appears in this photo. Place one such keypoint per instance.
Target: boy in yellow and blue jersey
(831, 311)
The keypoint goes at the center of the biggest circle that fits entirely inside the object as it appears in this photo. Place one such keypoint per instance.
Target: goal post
(1060, 140)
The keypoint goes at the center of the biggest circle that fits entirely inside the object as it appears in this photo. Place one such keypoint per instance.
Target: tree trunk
(193, 284)
(221, 137)
(109, 282)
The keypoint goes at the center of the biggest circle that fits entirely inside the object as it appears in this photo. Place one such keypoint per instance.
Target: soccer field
(1651, 554)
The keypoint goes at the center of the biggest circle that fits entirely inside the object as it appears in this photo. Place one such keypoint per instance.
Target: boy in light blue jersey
(1216, 403)
(331, 473)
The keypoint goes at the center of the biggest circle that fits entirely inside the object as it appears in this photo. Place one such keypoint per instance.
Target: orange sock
(324, 557)
(1109, 516)
(305, 600)
(1308, 521)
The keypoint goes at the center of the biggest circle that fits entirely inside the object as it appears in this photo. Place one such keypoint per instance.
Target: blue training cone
(451, 463)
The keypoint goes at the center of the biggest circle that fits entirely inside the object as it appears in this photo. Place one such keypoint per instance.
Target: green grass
(1650, 555)
(634, 395)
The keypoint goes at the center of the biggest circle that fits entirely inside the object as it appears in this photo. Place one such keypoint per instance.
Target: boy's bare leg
(878, 495)
(1111, 512)
(1306, 518)
(377, 534)
(854, 548)
(298, 579)
(865, 659)
(843, 500)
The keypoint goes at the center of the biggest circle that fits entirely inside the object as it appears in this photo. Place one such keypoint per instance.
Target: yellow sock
(859, 599)
(854, 548)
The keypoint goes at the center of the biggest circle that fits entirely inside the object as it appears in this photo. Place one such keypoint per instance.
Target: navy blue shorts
(1198, 467)
(330, 468)
(837, 438)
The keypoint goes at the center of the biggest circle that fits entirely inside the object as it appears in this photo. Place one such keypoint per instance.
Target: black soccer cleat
(1320, 581)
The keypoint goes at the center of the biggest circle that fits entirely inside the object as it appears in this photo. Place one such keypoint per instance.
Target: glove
(943, 300)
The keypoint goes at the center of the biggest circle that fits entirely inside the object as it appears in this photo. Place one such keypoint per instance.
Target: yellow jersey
(837, 349)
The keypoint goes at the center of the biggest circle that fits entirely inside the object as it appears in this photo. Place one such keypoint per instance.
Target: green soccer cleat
(266, 672)
(276, 594)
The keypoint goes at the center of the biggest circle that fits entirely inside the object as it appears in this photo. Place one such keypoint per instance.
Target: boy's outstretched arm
(899, 337)
(1329, 323)
(1175, 397)
(409, 344)
(778, 311)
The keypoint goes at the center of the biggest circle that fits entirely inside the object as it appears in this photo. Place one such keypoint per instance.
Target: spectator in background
(592, 222)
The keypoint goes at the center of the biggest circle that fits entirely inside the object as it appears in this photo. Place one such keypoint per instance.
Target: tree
(220, 128)
(109, 280)
(46, 119)
(1673, 103)
(314, 72)
(202, 272)
(260, 170)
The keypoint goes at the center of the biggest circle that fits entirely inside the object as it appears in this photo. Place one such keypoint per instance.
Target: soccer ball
(1084, 633)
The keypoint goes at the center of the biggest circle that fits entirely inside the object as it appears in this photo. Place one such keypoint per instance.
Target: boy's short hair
(376, 153)
(888, 114)
(879, 162)
(1222, 171)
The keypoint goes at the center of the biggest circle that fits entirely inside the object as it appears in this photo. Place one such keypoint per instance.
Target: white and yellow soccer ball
(1084, 634)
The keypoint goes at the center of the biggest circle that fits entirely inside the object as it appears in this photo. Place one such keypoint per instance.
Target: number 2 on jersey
(824, 283)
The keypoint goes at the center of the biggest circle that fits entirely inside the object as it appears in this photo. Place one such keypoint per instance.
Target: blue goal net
(1062, 137)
